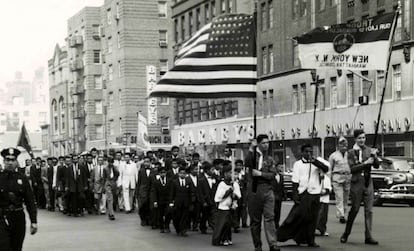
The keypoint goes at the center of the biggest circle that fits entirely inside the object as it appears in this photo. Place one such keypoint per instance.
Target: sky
(30, 30)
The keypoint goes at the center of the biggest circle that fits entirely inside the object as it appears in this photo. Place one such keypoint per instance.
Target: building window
(183, 28)
(162, 9)
(263, 16)
(223, 6)
(165, 122)
(108, 16)
(270, 14)
(110, 72)
(110, 44)
(111, 127)
(296, 62)
(176, 30)
(396, 81)
(333, 3)
(334, 93)
(350, 89)
(99, 131)
(271, 62)
(110, 100)
(265, 104)
(164, 101)
(119, 69)
(295, 99)
(98, 107)
(62, 114)
(321, 97)
(303, 97)
(207, 13)
(303, 8)
(351, 6)
(118, 40)
(264, 60)
(380, 84)
(190, 23)
(295, 9)
(163, 38)
(321, 5)
(365, 6)
(163, 66)
(271, 102)
(96, 56)
(366, 86)
(198, 19)
(230, 6)
(213, 9)
(98, 81)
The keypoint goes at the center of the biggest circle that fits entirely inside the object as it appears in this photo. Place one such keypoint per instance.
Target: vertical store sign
(152, 102)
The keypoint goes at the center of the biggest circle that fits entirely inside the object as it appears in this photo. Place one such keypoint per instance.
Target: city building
(61, 129)
(136, 49)
(206, 126)
(85, 78)
(286, 97)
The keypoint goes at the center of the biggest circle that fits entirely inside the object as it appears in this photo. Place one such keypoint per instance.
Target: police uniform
(14, 191)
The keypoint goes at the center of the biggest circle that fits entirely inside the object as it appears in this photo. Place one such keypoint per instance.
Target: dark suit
(52, 190)
(37, 184)
(195, 207)
(180, 197)
(279, 193)
(160, 192)
(143, 196)
(207, 201)
(361, 189)
(61, 195)
(75, 185)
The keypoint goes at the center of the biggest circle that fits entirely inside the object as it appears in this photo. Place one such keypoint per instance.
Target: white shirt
(54, 176)
(226, 203)
(194, 179)
(182, 182)
(310, 183)
(148, 171)
(210, 180)
(326, 184)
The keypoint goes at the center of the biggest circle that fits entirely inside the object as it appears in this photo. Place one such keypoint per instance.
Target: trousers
(12, 234)
(341, 190)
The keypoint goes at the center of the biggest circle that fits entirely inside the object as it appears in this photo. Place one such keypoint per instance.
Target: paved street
(393, 227)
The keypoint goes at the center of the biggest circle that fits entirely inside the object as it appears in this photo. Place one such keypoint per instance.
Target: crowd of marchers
(215, 196)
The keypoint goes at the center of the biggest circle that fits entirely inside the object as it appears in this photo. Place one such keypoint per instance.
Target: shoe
(128, 212)
(313, 245)
(371, 241)
(245, 226)
(111, 217)
(225, 243)
(342, 220)
(325, 234)
(275, 248)
(230, 243)
(184, 234)
(143, 224)
(167, 230)
(344, 238)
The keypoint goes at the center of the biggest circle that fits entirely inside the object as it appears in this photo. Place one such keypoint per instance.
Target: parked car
(394, 181)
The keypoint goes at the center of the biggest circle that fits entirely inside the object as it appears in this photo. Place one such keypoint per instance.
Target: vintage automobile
(394, 181)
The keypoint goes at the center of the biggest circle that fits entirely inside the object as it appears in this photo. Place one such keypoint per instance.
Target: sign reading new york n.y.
(356, 46)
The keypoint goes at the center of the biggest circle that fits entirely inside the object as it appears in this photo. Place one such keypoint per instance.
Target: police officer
(14, 191)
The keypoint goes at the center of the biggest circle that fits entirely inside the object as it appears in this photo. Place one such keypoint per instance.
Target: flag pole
(394, 24)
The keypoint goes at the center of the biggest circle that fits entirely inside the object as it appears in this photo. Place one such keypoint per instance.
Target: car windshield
(399, 165)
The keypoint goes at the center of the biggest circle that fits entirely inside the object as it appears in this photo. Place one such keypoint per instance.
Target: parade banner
(355, 46)
(142, 139)
(219, 61)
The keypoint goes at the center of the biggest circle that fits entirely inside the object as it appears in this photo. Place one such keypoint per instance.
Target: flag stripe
(201, 40)
(208, 95)
(208, 75)
(199, 48)
(217, 61)
(235, 81)
(203, 29)
(212, 68)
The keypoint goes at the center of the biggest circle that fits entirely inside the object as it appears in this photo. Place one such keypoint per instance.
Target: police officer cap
(10, 152)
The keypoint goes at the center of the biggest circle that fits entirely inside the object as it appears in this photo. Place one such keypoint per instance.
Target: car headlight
(388, 180)
(399, 178)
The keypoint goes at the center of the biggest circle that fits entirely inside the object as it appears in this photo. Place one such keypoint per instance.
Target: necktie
(74, 172)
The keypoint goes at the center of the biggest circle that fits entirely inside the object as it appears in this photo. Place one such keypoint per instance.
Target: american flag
(219, 61)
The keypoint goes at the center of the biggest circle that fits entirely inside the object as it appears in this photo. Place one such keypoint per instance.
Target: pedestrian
(45, 182)
(261, 201)
(324, 206)
(52, 180)
(208, 187)
(341, 178)
(62, 197)
(300, 224)
(75, 186)
(110, 178)
(180, 201)
(279, 193)
(361, 158)
(154, 176)
(226, 195)
(143, 191)
(98, 186)
(242, 202)
(195, 207)
(15, 191)
(36, 177)
(118, 197)
(160, 191)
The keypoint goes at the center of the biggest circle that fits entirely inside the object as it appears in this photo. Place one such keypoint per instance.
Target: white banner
(142, 134)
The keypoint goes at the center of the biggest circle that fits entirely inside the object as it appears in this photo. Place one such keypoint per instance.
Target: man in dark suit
(180, 199)
(196, 197)
(52, 182)
(76, 186)
(143, 191)
(61, 195)
(172, 173)
(160, 191)
(36, 178)
(360, 159)
(207, 186)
